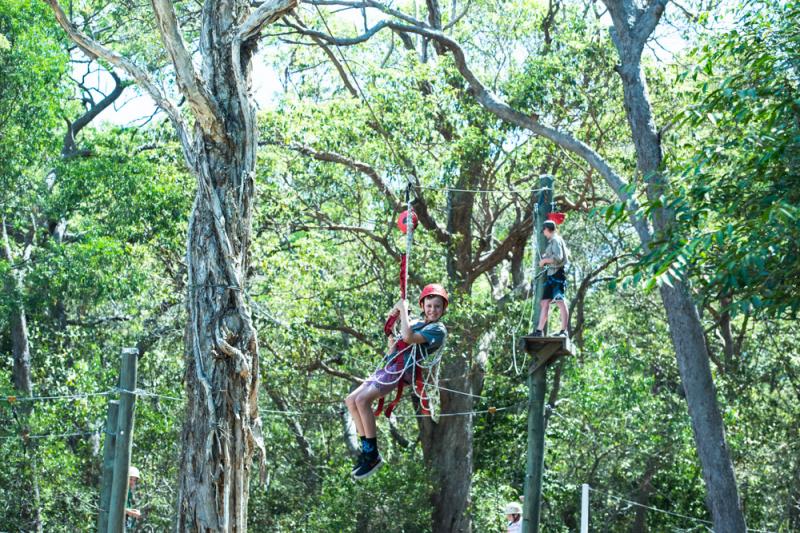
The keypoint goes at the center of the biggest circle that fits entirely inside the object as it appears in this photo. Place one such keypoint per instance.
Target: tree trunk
(21, 376)
(630, 32)
(643, 497)
(447, 446)
(20, 346)
(709, 431)
(221, 429)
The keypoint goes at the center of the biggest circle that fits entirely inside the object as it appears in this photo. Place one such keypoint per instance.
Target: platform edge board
(565, 345)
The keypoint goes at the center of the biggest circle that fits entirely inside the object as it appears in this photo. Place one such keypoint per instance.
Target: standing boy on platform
(555, 258)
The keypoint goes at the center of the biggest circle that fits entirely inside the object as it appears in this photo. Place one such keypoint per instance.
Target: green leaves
(737, 200)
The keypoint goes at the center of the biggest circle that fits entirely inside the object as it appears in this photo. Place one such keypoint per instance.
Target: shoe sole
(368, 474)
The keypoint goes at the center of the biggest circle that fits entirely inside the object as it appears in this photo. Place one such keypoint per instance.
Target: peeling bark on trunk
(221, 429)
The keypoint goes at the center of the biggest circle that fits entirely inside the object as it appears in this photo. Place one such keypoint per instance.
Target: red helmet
(434, 289)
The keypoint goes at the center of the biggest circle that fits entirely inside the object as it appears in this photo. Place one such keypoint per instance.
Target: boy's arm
(409, 336)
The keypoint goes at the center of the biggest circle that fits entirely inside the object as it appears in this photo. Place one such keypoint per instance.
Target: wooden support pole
(585, 508)
(107, 474)
(124, 440)
(537, 386)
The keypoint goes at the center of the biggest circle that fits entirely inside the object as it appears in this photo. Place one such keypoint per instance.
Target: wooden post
(585, 508)
(537, 384)
(107, 474)
(124, 441)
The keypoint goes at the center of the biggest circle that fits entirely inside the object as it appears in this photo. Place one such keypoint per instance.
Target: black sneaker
(562, 333)
(362, 457)
(368, 467)
(537, 333)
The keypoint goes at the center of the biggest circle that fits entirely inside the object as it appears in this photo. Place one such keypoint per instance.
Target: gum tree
(210, 64)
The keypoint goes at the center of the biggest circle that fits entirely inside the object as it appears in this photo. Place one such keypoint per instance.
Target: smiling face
(433, 308)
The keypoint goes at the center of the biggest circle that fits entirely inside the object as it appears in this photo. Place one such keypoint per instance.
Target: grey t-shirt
(435, 334)
(556, 249)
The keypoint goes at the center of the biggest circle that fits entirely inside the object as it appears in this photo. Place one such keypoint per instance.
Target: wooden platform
(546, 350)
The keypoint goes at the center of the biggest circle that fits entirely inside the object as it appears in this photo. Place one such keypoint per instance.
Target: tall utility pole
(124, 440)
(544, 351)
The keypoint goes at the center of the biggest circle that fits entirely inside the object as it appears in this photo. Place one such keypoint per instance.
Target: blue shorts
(555, 286)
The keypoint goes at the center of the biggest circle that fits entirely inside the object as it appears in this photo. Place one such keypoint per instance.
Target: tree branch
(347, 331)
(333, 372)
(94, 49)
(518, 234)
(333, 157)
(502, 110)
(458, 17)
(265, 14)
(69, 148)
(367, 3)
(647, 21)
(192, 86)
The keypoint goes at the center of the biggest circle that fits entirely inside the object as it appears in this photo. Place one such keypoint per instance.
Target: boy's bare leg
(545, 305)
(363, 401)
(564, 313)
(350, 402)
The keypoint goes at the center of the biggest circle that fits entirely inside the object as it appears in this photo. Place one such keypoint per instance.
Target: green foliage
(32, 67)
(737, 204)
(619, 418)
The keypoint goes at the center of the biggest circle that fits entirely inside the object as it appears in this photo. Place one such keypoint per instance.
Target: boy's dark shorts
(555, 286)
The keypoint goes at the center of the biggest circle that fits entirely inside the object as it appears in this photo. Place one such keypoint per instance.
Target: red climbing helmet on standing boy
(434, 289)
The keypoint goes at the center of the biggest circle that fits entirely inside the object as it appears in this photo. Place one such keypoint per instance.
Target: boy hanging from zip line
(418, 339)
(555, 258)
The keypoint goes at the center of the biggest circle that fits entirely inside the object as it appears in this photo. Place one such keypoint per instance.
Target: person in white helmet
(132, 514)
(429, 335)
(513, 512)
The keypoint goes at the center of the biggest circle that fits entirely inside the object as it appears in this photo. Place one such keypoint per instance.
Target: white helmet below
(513, 508)
(134, 472)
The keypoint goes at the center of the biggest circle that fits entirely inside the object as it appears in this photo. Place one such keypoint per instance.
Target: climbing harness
(409, 359)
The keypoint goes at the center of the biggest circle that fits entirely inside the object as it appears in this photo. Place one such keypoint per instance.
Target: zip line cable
(82, 395)
(10, 398)
(50, 435)
(388, 139)
(361, 92)
(663, 511)
(490, 410)
(483, 191)
(637, 504)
